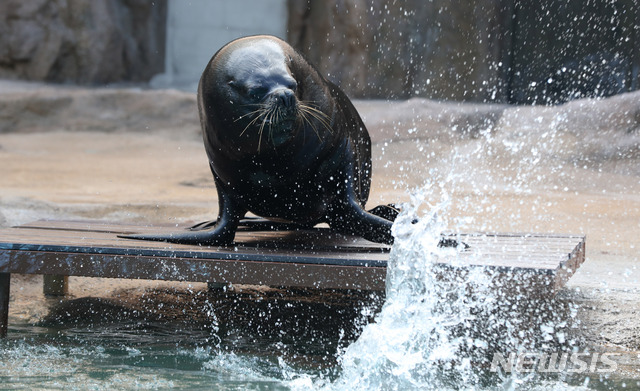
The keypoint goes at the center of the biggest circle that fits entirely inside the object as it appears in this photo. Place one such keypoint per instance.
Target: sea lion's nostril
(286, 98)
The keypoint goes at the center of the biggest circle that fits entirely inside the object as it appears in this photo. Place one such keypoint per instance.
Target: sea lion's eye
(258, 92)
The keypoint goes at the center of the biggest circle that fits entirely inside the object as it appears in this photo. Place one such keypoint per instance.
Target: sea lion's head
(262, 92)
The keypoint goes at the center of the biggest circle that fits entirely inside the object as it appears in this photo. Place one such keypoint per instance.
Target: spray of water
(441, 325)
(411, 344)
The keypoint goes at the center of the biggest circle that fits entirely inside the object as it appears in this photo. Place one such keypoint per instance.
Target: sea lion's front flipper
(219, 234)
(388, 211)
(350, 218)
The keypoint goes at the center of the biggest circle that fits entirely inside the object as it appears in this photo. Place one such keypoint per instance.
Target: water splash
(412, 344)
(440, 325)
(400, 349)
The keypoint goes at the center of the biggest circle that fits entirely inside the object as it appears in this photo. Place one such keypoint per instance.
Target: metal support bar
(55, 285)
(5, 279)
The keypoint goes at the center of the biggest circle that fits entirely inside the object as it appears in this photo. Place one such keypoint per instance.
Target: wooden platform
(311, 258)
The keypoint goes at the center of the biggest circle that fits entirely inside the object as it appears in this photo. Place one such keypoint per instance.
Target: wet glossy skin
(282, 143)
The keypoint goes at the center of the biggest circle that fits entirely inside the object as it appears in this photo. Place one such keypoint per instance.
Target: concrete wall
(196, 29)
(82, 41)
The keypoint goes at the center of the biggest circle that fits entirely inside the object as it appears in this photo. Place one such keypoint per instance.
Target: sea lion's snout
(285, 97)
(284, 100)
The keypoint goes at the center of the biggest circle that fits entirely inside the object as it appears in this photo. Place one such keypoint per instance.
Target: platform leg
(5, 280)
(54, 285)
(217, 286)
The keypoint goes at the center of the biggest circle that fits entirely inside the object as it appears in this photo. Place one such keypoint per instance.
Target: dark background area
(546, 51)
(505, 51)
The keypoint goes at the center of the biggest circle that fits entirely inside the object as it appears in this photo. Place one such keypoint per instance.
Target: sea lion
(283, 143)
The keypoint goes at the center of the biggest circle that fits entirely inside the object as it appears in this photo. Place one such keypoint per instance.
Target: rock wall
(82, 41)
(571, 49)
(472, 50)
(39, 107)
(443, 49)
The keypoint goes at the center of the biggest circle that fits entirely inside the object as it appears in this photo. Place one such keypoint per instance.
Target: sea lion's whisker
(260, 110)
(303, 115)
(311, 109)
(318, 115)
(264, 121)
(273, 118)
(253, 121)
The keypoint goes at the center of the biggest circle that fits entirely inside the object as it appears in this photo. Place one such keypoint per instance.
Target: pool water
(134, 354)
(163, 337)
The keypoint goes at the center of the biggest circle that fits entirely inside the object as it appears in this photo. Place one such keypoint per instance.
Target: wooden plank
(193, 269)
(318, 237)
(66, 241)
(265, 257)
(534, 264)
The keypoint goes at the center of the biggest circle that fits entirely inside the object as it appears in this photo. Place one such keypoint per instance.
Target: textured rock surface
(412, 48)
(35, 107)
(82, 41)
(490, 51)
